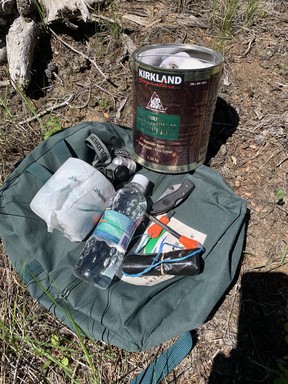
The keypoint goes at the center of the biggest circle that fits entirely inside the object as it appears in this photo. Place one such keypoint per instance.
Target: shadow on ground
(261, 334)
(224, 124)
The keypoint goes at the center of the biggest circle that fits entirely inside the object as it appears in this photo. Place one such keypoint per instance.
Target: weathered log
(21, 43)
(23, 32)
(56, 10)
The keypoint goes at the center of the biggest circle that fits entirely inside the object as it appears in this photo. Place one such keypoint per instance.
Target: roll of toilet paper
(174, 60)
(192, 63)
(73, 199)
(182, 60)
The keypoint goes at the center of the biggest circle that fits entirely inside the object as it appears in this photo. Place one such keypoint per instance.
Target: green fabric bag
(135, 318)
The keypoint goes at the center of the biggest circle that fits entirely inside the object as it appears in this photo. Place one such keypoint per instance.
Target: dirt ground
(244, 340)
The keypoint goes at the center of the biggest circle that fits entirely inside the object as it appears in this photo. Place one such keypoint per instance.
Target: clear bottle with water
(105, 249)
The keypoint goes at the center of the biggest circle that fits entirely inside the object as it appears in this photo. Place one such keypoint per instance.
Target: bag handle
(165, 363)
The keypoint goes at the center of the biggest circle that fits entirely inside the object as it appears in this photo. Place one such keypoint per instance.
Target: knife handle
(168, 202)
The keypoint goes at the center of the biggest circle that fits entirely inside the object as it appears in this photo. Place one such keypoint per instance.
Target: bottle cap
(141, 180)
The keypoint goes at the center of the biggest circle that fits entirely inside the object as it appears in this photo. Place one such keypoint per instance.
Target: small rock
(237, 183)
(223, 150)
(269, 53)
(245, 145)
(226, 81)
(265, 64)
(260, 139)
(258, 113)
(51, 70)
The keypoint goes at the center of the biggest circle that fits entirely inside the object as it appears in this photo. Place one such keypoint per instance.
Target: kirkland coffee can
(175, 90)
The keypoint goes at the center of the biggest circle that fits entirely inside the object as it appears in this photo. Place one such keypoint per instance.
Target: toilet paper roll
(73, 199)
(182, 60)
(173, 61)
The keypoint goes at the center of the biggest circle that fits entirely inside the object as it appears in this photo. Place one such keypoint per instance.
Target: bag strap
(102, 154)
(61, 153)
(165, 363)
(39, 171)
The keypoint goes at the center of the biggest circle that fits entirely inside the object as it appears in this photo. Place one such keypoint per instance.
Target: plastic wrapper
(135, 264)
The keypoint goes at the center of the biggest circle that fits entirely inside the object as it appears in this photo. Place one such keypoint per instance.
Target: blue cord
(155, 264)
(152, 265)
(141, 246)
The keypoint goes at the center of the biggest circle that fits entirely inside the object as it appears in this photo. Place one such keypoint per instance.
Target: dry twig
(250, 42)
(47, 110)
(83, 55)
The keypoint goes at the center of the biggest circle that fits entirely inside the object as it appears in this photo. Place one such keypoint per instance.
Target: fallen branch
(85, 104)
(250, 42)
(85, 56)
(47, 110)
(59, 9)
(22, 36)
(21, 42)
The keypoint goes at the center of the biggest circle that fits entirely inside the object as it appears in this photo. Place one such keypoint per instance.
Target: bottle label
(116, 227)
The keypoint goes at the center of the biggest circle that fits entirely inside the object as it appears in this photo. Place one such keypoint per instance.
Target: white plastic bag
(73, 199)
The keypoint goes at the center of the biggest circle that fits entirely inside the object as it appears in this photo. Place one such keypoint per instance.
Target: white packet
(73, 199)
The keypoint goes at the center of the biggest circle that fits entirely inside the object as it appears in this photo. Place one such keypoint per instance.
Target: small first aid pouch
(73, 199)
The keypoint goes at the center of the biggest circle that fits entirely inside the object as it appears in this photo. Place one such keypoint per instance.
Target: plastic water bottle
(105, 249)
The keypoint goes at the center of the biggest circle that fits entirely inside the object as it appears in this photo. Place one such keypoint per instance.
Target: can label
(158, 126)
(172, 117)
(159, 79)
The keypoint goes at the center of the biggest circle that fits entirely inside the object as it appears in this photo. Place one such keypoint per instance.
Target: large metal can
(173, 107)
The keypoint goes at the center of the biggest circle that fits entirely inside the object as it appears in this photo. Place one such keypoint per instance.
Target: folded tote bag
(132, 317)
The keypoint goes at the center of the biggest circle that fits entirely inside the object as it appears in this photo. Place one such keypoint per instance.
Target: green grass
(20, 344)
(37, 348)
(230, 13)
(222, 16)
(52, 126)
(29, 106)
(109, 24)
(253, 11)
(229, 17)
(4, 106)
(44, 127)
(29, 334)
